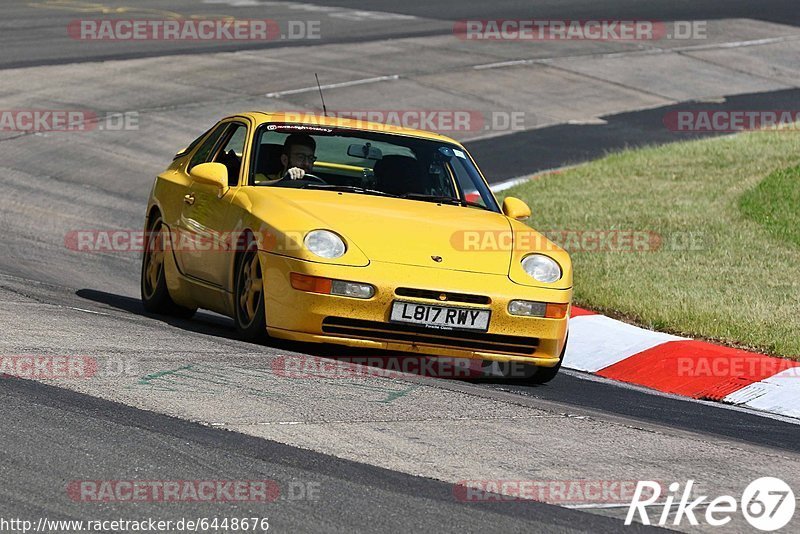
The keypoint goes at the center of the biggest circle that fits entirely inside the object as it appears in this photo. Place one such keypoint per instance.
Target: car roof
(312, 118)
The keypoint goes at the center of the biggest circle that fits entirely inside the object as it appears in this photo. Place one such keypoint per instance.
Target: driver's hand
(295, 173)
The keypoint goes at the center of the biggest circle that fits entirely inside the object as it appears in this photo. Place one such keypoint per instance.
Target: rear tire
(249, 314)
(155, 295)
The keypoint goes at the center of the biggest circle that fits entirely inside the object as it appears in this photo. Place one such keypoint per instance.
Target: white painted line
(351, 83)
(86, 311)
(501, 64)
(648, 51)
(511, 182)
(590, 122)
(508, 184)
(737, 44)
(709, 100)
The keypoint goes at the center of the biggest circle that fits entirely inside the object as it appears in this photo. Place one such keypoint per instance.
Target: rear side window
(204, 152)
(192, 145)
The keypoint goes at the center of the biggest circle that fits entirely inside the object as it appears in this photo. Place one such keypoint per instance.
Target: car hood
(393, 230)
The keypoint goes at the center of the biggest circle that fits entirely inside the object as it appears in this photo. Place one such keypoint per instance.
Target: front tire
(249, 314)
(153, 285)
(542, 375)
(524, 373)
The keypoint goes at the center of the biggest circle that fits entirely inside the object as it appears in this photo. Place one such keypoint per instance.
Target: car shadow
(385, 362)
(202, 322)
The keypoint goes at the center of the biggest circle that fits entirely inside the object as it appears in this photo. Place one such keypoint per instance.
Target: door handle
(189, 199)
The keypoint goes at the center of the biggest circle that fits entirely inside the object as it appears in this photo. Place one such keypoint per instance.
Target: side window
(232, 151)
(193, 144)
(265, 158)
(466, 183)
(203, 153)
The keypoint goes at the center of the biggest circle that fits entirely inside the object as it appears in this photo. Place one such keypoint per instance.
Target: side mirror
(211, 174)
(516, 209)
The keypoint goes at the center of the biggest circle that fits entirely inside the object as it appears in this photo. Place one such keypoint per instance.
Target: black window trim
(225, 138)
(484, 188)
(220, 125)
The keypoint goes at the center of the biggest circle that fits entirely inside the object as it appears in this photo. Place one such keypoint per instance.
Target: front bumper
(364, 323)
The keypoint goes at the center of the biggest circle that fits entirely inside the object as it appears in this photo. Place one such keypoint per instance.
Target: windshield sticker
(459, 153)
(298, 128)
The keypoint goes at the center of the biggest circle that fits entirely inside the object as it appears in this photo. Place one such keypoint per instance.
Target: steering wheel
(306, 176)
(314, 178)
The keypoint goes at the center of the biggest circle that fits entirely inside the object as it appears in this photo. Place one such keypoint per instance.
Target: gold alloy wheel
(154, 260)
(251, 288)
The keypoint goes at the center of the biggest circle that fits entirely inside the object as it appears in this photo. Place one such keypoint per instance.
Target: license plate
(442, 317)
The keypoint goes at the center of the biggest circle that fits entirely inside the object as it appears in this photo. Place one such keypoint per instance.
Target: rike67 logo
(767, 503)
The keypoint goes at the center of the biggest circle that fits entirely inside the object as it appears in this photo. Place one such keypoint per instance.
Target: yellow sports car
(352, 233)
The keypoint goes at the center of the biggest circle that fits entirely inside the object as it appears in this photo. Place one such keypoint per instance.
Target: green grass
(775, 204)
(737, 282)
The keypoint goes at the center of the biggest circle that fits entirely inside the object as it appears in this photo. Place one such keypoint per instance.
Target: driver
(297, 158)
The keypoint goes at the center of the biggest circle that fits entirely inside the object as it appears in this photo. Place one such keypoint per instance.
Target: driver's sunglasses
(303, 157)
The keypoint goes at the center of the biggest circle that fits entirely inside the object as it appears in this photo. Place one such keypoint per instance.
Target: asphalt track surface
(37, 37)
(52, 435)
(596, 395)
(364, 498)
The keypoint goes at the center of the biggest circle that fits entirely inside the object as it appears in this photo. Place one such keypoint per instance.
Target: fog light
(527, 308)
(352, 289)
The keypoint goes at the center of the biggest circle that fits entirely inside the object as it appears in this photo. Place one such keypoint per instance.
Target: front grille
(434, 295)
(462, 339)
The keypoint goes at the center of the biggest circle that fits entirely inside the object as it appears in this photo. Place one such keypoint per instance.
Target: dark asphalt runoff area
(531, 151)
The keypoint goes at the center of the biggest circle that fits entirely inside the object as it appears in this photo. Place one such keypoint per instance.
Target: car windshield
(376, 163)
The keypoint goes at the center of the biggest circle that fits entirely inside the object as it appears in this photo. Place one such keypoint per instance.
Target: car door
(201, 150)
(205, 245)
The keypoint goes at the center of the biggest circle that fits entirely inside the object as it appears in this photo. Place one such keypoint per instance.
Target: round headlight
(542, 268)
(325, 244)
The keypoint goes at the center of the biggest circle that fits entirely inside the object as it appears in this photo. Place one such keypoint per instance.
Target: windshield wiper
(444, 200)
(348, 189)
